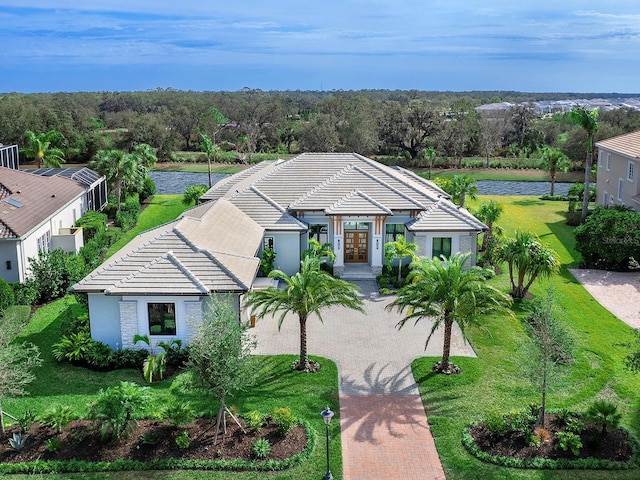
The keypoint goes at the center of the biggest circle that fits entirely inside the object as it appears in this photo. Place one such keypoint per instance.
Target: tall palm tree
(528, 259)
(489, 213)
(554, 159)
(588, 121)
(399, 249)
(446, 291)
(39, 148)
(307, 292)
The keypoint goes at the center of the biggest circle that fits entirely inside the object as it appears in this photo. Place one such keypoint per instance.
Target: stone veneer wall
(128, 323)
(193, 314)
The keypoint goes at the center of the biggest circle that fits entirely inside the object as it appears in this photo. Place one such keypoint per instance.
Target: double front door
(356, 246)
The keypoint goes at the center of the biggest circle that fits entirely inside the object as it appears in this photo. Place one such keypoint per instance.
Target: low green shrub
(284, 419)
(182, 440)
(73, 347)
(569, 441)
(261, 448)
(254, 420)
(25, 293)
(53, 444)
(57, 417)
(178, 414)
(7, 296)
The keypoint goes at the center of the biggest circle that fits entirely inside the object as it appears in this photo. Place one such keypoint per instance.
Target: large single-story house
(618, 176)
(159, 283)
(38, 212)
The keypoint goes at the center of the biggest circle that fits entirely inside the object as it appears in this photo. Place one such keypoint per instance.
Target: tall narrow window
(608, 162)
(392, 231)
(44, 242)
(630, 171)
(619, 189)
(319, 232)
(600, 158)
(267, 242)
(162, 318)
(441, 246)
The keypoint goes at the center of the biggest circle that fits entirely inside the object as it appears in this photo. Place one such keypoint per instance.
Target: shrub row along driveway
(384, 427)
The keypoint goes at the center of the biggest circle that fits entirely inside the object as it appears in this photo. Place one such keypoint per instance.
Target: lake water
(177, 182)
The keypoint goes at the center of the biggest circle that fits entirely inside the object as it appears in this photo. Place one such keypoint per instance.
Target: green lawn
(277, 386)
(494, 383)
(162, 209)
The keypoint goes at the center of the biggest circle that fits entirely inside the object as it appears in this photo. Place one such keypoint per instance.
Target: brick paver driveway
(385, 433)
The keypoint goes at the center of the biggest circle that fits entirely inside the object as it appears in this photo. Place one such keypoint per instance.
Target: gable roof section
(444, 216)
(40, 197)
(264, 211)
(627, 145)
(350, 178)
(357, 203)
(235, 183)
(189, 256)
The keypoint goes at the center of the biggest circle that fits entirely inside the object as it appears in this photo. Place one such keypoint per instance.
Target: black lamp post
(327, 415)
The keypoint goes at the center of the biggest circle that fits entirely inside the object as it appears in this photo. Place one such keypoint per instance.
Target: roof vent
(14, 203)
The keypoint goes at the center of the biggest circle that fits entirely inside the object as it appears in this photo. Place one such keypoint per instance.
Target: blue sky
(541, 46)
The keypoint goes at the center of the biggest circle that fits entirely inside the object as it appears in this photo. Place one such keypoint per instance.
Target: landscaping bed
(543, 448)
(155, 442)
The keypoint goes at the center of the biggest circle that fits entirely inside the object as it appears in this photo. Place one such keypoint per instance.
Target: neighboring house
(619, 171)
(9, 156)
(38, 213)
(166, 275)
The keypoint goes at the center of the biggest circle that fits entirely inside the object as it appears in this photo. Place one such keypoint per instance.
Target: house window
(392, 230)
(267, 242)
(8, 264)
(599, 158)
(162, 318)
(619, 189)
(356, 226)
(604, 199)
(441, 246)
(608, 162)
(44, 242)
(319, 232)
(630, 171)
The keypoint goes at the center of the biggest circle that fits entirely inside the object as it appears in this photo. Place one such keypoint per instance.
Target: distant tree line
(411, 128)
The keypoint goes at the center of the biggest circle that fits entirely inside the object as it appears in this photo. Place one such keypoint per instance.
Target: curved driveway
(385, 433)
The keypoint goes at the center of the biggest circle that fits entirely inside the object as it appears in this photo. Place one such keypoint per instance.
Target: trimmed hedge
(77, 466)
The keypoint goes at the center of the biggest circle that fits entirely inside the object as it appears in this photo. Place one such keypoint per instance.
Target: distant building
(9, 156)
(619, 171)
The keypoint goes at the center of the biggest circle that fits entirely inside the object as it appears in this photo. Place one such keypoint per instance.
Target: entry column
(338, 245)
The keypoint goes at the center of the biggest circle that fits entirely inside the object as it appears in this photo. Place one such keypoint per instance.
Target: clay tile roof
(627, 145)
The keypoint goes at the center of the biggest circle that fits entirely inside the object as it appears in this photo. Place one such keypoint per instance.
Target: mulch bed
(614, 446)
(153, 439)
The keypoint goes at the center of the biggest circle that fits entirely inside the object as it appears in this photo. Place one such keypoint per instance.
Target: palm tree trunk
(446, 347)
(587, 179)
(399, 271)
(303, 363)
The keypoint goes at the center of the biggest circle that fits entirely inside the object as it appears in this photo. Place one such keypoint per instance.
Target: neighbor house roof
(627, 144)
(28, 200)
(212, 250)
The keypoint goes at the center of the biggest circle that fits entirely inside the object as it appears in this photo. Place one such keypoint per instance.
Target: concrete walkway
(385, 433)
(618, 292)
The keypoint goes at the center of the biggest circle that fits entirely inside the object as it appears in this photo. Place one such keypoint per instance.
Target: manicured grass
(494, 382)
(277, 386)
(162, 209)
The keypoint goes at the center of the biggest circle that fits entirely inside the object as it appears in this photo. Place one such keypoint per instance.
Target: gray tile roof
(357, 203)
(444, 216)
(213, 250)
(39, 197)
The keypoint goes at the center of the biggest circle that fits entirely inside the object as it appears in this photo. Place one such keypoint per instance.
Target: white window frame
(608, 162)
(605, 196)
(269, 242)
(620, 184)
(44, 242)
(600, 158)
(320, 235)
(630, 170)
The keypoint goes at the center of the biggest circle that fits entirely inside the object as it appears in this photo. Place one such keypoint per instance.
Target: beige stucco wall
(608, 180)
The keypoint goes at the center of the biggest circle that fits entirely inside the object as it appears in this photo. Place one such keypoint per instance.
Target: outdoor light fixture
(377, 244)
(327, 415)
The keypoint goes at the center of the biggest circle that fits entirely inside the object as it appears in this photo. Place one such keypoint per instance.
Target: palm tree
(489, 213)
(307, 292)
(527, 258)
(192, 194)
(461, 187)
(399, 249)
(444, 290)
(210, 149)
(39, 148)
(588, 121)
(554, 159)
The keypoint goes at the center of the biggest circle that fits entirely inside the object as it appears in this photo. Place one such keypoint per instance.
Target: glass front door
(356, 247)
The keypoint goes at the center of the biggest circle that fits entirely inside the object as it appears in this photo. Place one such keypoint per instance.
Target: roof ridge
(176, 261)
(323, 184)
(267, 198)
(422, 180)
(224, 268)
(359, 193)
(382, 182)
